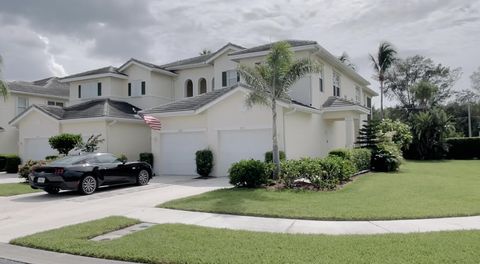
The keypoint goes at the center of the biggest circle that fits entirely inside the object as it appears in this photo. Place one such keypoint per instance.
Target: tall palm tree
(3, 84)
(383, 60)
(205, 52)
(345, 58)
(271, 81)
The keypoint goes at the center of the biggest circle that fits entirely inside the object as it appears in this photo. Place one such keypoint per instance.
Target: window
(202, 86)
(55, 103)
(79, 91)
(369, 102)
(59, 104)
(336, 84)
(320, 82)
(50, 103)
(143, 88)
(213, 84)
(129, 89)
(230, 78)
(357, 94)
(22, 104)
(188, 88)
(106, 158)
(99, 89)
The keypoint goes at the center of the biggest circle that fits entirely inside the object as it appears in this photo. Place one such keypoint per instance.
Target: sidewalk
(10, 178)
(35, 256)
(295, 226)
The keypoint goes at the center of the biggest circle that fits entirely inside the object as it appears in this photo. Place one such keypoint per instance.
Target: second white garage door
(235, 145)
(37, 149)
(177, 152)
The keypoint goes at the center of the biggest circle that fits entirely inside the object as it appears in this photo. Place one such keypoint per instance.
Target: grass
(9, 189)
(174, 243)
(419, 190)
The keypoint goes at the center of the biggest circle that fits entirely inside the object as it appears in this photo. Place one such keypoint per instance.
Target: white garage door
(37, 149)
(235, 145)
(177, 152)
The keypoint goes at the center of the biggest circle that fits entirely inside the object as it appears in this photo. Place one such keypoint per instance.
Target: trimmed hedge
(248, 173)
(3, 162)
(464, 148)
(147, 157)
(269, 156)
(360, 157)
(204, 162)
(11, 162)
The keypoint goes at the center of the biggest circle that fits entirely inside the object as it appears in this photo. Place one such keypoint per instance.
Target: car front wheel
(88, 185)
(143, 177)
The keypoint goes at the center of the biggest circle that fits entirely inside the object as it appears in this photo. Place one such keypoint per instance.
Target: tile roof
(148, 64)
(265, 47)
(198, 59)
(48, 86)
(190, 103)
(108, 69)
(334, 101)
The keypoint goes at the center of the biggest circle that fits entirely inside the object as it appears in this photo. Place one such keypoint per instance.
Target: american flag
(151, 121)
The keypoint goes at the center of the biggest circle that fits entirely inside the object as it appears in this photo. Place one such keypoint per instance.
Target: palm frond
(3, 84)
(256, 97)
(254, 77)
(297, 70)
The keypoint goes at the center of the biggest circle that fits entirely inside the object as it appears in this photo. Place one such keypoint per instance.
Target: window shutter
(143, 88)
(99, 89)
(224, 79)
(321, 85)
(238, 77)
(79, 91)
(129, 89)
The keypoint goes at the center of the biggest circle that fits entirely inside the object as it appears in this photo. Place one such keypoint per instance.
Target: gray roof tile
(265, 47)
(108, 69)
(49, 87)
(334, 101)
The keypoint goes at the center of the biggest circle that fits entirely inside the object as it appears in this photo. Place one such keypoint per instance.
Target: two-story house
(47, 91)
(200, 102)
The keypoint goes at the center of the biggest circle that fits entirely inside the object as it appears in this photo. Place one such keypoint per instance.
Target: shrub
(269, 156)
(386, 157)
(147, 157)
(63, 143)
(122, 157)
(29, 166)
(247, 173)
(400, 132)
(3, 162)
(51, 158)
(91, 145)
(342, 153)
(361, 158)
(464, 148)
(204, 161)
(336, 169)
(11, 163)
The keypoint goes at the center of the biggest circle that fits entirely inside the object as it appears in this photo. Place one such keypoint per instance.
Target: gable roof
(202, 59)
(90, 109)
(334, 101)
(47, 87)
(109, 70)
(148, 65)
(265, 47)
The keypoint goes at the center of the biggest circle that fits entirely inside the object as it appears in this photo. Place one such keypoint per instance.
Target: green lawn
(419, 190)
(190, 244)
(9, 189)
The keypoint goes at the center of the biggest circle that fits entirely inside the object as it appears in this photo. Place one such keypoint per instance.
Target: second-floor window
(144, 86)
(230, 78)
(90, 90)
(99, 89)
(22, 104)
(336, 84)
(55, 103)
(136, 88)
(357, 94)
(320, 82)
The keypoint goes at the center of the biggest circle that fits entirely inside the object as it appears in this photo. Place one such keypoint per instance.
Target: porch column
(349, 133)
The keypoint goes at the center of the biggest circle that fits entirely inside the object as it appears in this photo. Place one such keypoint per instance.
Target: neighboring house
(47, 91)
(200, 102)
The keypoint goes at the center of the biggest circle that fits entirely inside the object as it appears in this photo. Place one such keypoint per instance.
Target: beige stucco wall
(86, 129)
(129, 138)
(36, 125)
(305, 135)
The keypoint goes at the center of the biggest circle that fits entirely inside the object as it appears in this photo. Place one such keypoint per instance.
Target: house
(200, 103)
(48, 91)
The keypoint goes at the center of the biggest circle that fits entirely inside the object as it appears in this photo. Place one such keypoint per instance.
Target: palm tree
(384, 59)
(205, 52)
(345, 59)
(271, 81)
(3, 84)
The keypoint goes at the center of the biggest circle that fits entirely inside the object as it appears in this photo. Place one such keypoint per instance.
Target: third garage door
(235, 145)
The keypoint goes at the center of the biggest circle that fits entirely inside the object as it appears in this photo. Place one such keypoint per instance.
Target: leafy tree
(382, 62)
(271, 81)
(63, 143)
(398, 131)
(407, 82)
(459, 112)
(91, 145)
(3, 84)
(345, 59)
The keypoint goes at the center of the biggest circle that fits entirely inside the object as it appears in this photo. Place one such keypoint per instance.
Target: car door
(110, 168)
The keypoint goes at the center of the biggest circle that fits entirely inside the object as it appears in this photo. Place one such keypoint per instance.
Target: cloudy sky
(58, 37)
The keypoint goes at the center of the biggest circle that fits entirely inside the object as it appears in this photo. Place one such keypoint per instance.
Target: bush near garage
(28, 167)
(248, 173)
(386, 158)
(3, 162)
(11, 163)
(269, 156)
(147, 157)
(360, 157)
(65, 142)
(204, 162)
(463, 148)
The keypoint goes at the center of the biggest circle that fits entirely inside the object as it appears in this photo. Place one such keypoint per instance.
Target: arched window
(188, 88)
(202, 86)
(213, 83)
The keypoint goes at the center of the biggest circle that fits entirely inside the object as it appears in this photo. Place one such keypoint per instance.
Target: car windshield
(69, 160)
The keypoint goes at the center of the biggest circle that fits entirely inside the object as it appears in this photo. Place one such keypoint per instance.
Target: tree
(205, 52)
(424, 94)
(3, 84)
(383, 60)
(91, 145)
(63, 143)
(403, 79)
(368, 135)
(271, 81)
(345, 59)
(398, 131)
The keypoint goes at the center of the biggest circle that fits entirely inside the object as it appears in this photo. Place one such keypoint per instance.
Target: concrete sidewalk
(35, 256)
(294, 226)
(10, 178)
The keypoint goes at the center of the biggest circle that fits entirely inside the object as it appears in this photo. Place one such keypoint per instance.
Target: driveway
(31, 213)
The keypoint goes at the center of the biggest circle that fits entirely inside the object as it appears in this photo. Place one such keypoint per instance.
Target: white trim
(94, 76)
(17, 119)
(346, 108)
(306, 109)
(188, 66)
(39, 95)
(249, 128)
(94, 119)
(189, 130)
(130, 62)
(222, 51)
(265, 52)
(177, 113)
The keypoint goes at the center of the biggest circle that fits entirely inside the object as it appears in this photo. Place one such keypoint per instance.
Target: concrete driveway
(31, 213)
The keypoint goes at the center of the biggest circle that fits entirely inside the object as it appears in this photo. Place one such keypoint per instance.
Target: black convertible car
(85, 173)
